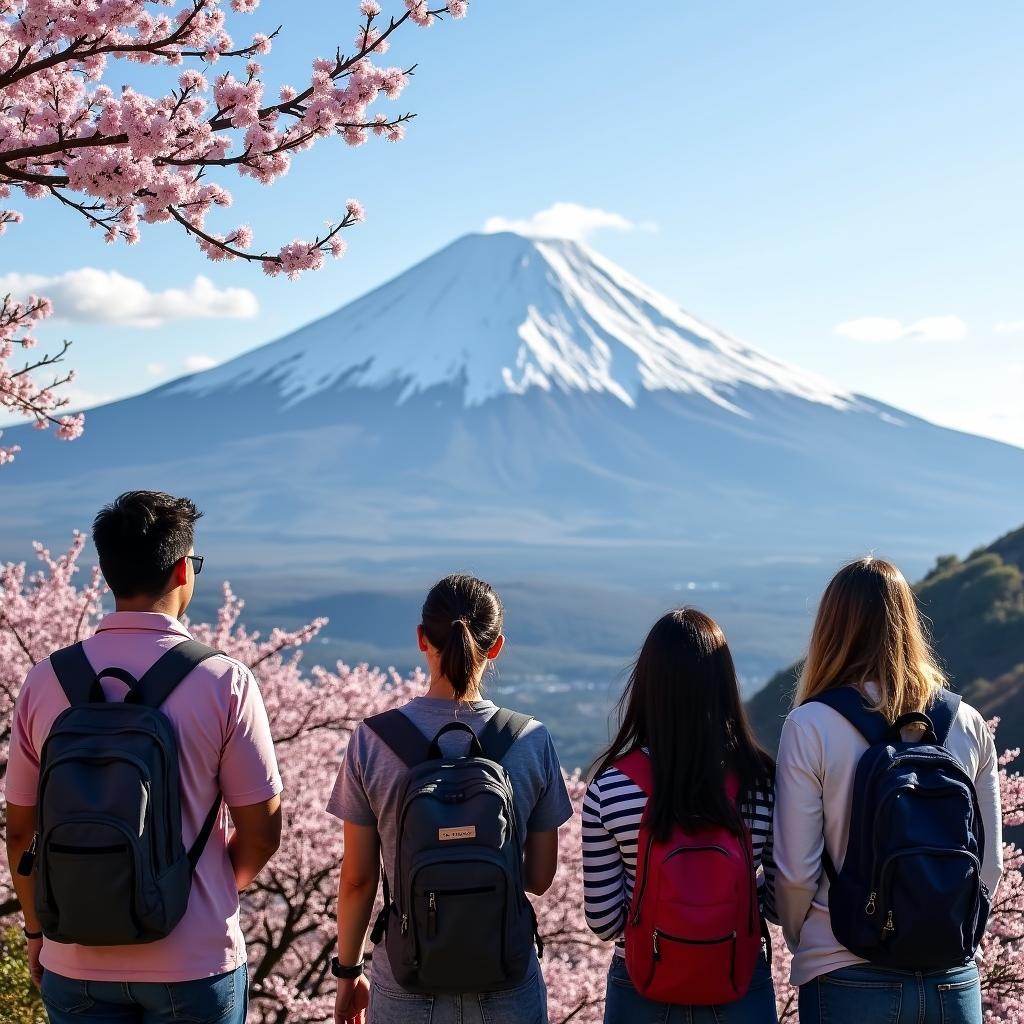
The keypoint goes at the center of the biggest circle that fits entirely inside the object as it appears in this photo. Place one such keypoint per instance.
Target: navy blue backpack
(909, 895)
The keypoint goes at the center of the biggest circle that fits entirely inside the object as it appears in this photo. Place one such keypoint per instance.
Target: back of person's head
(140, 537)
(869, 630)
(462, 619)
(682, 703)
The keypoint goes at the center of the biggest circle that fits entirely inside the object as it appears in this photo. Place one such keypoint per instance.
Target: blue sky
(806, 166)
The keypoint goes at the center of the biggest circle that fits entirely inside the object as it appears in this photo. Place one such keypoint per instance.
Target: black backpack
(909, 895)
(112, 866)
(456, 916)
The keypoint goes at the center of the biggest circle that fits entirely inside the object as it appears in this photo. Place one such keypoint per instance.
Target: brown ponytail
(462, 618)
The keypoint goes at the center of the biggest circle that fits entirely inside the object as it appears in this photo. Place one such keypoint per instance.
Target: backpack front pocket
(928, 907)
(89, 875)
(458, 915)
(680, 963)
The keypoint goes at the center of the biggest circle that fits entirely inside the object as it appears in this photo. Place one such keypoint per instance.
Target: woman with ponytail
(460, 636)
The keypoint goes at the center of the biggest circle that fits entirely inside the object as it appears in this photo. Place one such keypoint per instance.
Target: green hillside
(976, 609)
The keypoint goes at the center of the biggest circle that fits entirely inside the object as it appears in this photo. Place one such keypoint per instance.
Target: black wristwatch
(348, 973)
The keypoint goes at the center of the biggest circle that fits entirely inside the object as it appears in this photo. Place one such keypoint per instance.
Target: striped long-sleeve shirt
(612, 808)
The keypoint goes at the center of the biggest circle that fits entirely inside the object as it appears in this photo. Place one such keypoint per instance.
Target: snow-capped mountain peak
(500, 314)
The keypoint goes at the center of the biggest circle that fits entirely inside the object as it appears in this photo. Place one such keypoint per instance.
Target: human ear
(496, 648)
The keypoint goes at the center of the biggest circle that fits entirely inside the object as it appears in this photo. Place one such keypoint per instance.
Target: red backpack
(693, 934)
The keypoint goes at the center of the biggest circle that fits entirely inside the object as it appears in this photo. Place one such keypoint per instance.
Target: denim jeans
(220, 1000)
(862, 994)
(624, 1005)
(525, 1004)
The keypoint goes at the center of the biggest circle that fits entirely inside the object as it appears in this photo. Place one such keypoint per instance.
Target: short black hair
(140, 537)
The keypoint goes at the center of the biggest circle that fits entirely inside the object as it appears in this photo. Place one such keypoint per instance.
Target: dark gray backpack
(112, 866)
(456, 915)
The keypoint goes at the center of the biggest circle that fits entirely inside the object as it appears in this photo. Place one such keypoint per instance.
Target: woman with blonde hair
(887, 822)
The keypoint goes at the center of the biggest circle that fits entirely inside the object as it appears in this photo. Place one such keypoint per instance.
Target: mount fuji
(529, 410)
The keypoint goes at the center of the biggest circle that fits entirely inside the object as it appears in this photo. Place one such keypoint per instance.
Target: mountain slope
(976, 610)
(527, 410)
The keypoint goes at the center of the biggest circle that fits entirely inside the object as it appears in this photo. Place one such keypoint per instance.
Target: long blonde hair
(868, 629)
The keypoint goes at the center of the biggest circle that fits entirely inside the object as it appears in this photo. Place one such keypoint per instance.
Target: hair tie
(459, 622)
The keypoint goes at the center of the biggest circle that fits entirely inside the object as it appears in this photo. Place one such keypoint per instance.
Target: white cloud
(1009, 327)
(881, 329)
(96, 296)
(566, 220)
(197, 363)
(156, 369)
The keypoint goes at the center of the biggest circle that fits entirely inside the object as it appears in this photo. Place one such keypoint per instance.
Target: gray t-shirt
(370, 784)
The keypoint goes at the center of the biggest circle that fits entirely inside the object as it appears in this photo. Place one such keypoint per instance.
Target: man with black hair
(144, 540)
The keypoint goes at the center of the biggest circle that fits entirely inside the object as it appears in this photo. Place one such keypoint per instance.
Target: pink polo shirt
(224, 742)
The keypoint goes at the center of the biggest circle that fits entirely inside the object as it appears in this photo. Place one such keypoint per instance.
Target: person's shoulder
(40, 684)
(971, 720)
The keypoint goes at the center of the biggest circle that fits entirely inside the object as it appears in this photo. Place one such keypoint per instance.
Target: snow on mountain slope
(504, 314)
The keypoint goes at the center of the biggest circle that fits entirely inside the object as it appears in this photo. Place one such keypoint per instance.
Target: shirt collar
(155, 621)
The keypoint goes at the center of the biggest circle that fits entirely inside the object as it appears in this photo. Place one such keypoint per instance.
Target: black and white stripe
(612, 809)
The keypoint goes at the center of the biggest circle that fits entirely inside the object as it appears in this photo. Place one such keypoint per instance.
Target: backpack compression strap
(76, 676)
(848, 702)
(502, 730)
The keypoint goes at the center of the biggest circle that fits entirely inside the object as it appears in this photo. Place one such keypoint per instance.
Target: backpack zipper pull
(405, 923)
(870, 908)
(27, 862)
(432, 916)
(889, 926)
(657, 951)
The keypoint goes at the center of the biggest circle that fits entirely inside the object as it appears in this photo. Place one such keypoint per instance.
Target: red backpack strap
(732, 787)
(637, 767)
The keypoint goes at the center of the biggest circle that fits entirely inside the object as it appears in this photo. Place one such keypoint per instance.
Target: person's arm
(255, 839)
(798, 828)
(770, 871)
(604, 875)
(986, 784)
(21, 830)
(540, 861)
(357, 890)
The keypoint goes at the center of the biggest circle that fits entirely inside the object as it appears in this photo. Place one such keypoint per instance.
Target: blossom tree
(120, 158)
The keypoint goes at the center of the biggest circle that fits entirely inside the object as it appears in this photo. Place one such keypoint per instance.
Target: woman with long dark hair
(870, 667)
(460, 845)
(703, 811)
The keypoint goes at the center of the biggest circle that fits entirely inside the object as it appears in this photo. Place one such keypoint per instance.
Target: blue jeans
(863, 994)
(624, 1005)
(525, 1004)
(220, 1000)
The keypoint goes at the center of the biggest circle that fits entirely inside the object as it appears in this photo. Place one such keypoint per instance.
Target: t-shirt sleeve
(248, 765)
(349, 801)
(553, 807)
(23, 759)
(986, 785)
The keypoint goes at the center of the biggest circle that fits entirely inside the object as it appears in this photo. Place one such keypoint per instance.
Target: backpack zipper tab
(405, 923)
(432, 916)
(869, 909)
(657, 951)
(889, 926)
(27, 862)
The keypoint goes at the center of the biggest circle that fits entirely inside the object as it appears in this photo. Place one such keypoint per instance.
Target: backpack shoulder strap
(849, 703)
(942, 712)
(76, 676)
(636, 766)
(503, 728)
(171, 669)
(400, 734)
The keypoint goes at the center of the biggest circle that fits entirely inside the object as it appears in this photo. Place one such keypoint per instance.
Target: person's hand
(35, 948)
(352, 1000)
